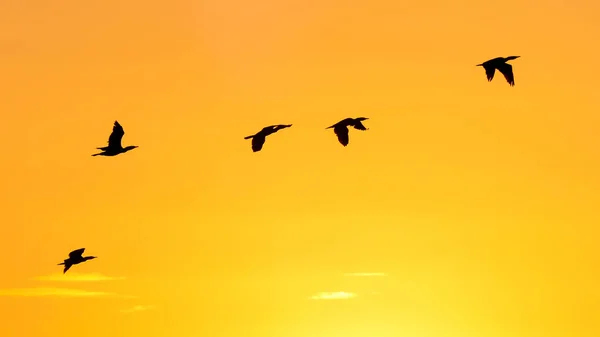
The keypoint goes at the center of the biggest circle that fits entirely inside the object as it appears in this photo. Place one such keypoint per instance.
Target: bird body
(499, 63)
(114, 143)
(341, 128)
(258, 139)
(75, 257)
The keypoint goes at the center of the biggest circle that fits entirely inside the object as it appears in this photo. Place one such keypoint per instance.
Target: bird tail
(100, 148)
(249, 137)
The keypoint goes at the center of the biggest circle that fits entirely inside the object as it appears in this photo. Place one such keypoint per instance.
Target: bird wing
(67, 266)
(283, 126)
(342, 135)
(359, 126)
(506, 70)
(268, 129)
(279, 127)
(257, 143)
(489, 71)
(76, 253)
(115, 137)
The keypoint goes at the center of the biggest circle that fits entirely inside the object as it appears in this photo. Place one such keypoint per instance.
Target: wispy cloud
(76, 277)
(340, 295)
(54, 292)
(138, 308)
(365, 274)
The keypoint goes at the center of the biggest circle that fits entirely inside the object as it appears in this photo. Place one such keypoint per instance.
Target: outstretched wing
(506, 70)
(76, 253)
(342, 135)
(282, 126)
(267, 130)
(67, 266)
(114, 141)
(359, 126)
(489, 71)
(257, 143)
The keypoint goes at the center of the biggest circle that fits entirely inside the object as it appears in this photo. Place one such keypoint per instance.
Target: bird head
(360, 119)
(91, 257)
(131, 147)
(512, 58)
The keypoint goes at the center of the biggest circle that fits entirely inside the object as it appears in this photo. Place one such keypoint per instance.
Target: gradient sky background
(478, 201)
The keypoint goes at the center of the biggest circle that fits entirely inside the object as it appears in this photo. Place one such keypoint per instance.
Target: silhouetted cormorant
(499, 63)
(114, 143)
(259, 139)
(341, 128)
(75, 258)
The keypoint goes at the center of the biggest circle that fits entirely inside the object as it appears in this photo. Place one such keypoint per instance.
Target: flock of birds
(258, 140)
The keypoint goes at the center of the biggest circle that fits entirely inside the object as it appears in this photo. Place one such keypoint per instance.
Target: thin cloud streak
(365, 274)
(57, 292)
(138, 308)
(340, 295)
(76, 277)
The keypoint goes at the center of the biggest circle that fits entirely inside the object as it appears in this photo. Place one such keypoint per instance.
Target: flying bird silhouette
(341, 128)
(259, 138)
(499, 63)
(75, 258)
(114, 143)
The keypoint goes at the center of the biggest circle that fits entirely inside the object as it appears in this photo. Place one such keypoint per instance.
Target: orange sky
(478, 202)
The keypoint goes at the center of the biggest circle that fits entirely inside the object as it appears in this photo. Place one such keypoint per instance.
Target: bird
(499, 63)
(341, 128)
(75, 258)
(114, 143)
(259, 138)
